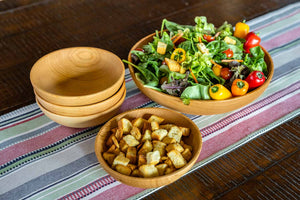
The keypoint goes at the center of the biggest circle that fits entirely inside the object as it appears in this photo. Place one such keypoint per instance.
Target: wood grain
(265, 168)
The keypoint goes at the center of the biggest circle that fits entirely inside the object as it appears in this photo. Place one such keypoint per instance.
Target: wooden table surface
(265, 168)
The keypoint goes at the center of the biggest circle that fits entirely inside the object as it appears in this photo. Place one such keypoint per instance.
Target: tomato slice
(229, 53)
(208, 38)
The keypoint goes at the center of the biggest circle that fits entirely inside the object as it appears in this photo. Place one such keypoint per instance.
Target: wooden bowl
(200, 107)
(77, 76)
(84, 121)
(195, 140)
(77, 111)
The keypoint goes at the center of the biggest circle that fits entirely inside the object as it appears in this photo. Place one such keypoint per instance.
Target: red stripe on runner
(280, 19)
(23, 121)
(247, 110)
(281, 39)
(36, 143)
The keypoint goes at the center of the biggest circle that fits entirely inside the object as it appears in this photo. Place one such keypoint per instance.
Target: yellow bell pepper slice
(178, 55)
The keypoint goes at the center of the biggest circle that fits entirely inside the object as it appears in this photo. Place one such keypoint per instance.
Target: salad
(201, 61)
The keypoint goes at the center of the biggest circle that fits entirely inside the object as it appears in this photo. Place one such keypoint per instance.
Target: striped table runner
(40, 159)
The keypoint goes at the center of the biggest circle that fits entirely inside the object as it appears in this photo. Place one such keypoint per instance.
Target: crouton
(186, 146)
(109, 141)
(130, 140)
(123, 169)
(136, 133)
(118, 134)
(135, 173)
(138, 122)
(159, 146)
(185, 131)
(147, 126)
(147, 136)
(120, 160)
(166, 126)
(175, 146)
(161, 168)
(176, 158)
(125, 125)
(169, 170)
(132, 166)
(148, 171)
(115, 141)
(154, 118)
(147, 147)
(153, 158)
(186, 154)
(111, 149)
(109, 157)
(168, 140)
(169, 162)
(175, 133)
(131, 154)
(159, 134)
(123, 145)
(154, 125)
(142, 160)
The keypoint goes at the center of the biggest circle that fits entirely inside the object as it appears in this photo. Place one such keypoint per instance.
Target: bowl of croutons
(148, 147)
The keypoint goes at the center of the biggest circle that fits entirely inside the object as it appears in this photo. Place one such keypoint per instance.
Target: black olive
(135, 59)
(245, 71)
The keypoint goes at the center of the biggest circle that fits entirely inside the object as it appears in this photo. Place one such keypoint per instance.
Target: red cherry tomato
(229, 53)
(226, 73)
(140, 49)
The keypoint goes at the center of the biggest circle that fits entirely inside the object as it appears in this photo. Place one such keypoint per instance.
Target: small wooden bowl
(84, 121)
(200, 107)
(77, 76)
(78, 111)
(195, 140)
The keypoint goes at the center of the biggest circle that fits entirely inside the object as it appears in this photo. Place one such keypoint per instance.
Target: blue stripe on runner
(276, 16)
(28, 135)
(20, 117)
(54, 177)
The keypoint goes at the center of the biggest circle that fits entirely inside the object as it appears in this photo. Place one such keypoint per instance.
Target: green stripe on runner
(279, 25)
(72, 184)
(21, 128)
(48, 151)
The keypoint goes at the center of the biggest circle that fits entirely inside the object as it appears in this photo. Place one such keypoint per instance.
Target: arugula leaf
(255, 61)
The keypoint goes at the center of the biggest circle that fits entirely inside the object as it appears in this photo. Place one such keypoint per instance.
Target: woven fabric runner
(40, 159)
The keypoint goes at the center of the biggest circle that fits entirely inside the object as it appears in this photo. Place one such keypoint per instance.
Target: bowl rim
(116, 85)
(118, 104)
(116, 97)
(139, 84)
(112, 172)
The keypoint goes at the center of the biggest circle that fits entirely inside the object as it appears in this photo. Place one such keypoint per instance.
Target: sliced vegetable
(229, 53)
(202, 48)
(239, 87)
(219, 92)
(252, 40)
(255, 79)
(193, 75)
(217, 70)
(229, 61)
(176, 37)
(229, 40)
(173, 65)
(178, 55)
(241, 30)
(225, 73)
(161, 48)
(208, 38)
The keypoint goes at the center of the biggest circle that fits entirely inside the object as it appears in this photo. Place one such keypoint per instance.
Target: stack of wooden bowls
(79, 86)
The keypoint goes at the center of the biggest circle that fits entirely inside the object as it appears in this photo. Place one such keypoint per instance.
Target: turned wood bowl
(84, 121)
(77, 111)
(77, 76)
(200, 107)
(170, 116)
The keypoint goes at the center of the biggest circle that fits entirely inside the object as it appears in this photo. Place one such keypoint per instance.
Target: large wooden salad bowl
(200, 107)
(170, 116)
